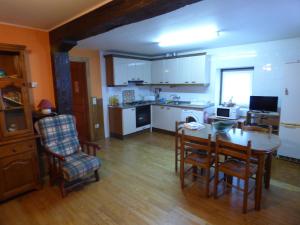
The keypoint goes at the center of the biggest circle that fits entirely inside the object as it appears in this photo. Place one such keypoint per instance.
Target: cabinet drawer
(274, 121)
(16, 148)
(18, 173)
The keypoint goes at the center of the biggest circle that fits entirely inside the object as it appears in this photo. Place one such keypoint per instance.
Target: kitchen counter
(186, 105)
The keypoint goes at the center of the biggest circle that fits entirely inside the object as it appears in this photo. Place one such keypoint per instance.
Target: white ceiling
(240, 22)
(44, 14)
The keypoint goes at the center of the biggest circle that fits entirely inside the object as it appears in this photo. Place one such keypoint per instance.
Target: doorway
(80, 103)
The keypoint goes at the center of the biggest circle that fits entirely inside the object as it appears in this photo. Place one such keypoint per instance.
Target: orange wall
(94, 66)
(39, 58)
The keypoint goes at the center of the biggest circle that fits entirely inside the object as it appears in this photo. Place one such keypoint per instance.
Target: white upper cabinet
(127, 69)
(143, 71)
(170, 71)
(157, 72)
(139, 70)
(164, 71)
(198, 69)
(183, 70)
(120, 71)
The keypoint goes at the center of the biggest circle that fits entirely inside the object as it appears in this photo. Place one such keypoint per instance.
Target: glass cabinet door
(13, 110)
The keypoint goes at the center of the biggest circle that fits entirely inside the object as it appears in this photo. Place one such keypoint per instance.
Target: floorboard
(139, 186)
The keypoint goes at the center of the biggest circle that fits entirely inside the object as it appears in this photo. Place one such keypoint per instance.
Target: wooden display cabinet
(19, 170)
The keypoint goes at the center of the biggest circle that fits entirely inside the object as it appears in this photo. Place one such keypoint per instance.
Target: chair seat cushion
(236, 168)
(64, 147)
(78, 165)
(196, 159)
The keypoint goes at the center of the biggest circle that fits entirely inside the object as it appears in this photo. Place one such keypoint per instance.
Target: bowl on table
(223, 126)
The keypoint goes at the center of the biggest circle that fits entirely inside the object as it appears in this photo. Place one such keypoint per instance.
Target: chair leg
(202, 171)
(97, 175)
(267, 174)
(216, 181)
(195, 171)
(182, 175)
(176, 159)
(207, 182)
(245, 201)
(62, 188)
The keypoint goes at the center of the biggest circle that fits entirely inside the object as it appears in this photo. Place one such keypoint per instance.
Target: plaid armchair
(70, 161)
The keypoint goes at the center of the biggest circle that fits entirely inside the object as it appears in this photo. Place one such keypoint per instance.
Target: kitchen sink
(177, 102)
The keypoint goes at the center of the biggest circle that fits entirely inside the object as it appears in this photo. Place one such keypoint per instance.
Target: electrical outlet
(94, 100)
(33, 84)
(97, 125)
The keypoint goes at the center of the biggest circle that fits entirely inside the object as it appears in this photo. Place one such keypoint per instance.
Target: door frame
(88, 83)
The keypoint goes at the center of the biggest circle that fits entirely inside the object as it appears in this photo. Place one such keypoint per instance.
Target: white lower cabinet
(164, 117)
(128, 121)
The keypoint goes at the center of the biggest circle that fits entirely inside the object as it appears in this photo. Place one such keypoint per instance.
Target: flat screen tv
(263, 103)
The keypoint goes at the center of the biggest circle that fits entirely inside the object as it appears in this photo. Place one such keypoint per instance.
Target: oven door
(143, 115)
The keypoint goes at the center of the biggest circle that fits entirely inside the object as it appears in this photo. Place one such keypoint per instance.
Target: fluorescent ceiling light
(188, 36)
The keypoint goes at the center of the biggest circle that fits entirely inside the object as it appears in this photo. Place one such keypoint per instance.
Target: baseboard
(119, 136)
(290, 159)
(163, 131)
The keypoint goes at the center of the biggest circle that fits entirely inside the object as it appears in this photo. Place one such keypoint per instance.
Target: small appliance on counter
(113, 100)
(225, 112)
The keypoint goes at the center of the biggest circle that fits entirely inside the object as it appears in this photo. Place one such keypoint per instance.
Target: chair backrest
(178, 126)
(196, 143)
(59, 134)
(257, 128)
(234, 150)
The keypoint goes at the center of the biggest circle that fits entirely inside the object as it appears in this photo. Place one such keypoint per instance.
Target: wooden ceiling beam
(109, 16)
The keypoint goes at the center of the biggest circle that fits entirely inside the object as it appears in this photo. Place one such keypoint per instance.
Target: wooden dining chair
(178, 127)
(268, 159)
(196, 158)
(236, 165)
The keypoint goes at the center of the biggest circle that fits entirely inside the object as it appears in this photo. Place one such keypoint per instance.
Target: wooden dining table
(263, 146)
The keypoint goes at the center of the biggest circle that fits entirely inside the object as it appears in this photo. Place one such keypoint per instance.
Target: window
(236, 84)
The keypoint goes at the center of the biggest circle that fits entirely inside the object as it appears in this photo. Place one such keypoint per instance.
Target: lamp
(45, 106)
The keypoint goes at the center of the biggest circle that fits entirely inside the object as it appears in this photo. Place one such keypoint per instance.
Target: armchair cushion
(57, 128)
(64, 147)
(78, 165)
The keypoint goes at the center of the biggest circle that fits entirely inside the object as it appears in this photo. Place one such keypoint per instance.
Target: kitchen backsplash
(187, 93)
(139, 92)
(136, 93)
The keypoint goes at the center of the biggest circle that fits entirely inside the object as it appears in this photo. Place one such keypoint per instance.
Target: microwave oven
(228, 112)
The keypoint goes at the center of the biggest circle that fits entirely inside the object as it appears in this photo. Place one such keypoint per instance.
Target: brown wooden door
(80, 99)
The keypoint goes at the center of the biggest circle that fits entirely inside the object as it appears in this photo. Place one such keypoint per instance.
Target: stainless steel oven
(143, 115)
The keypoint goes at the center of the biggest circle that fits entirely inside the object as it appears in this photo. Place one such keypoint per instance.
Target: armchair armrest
(55, 155)
(89, 148)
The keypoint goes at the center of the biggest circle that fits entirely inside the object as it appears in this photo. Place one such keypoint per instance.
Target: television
(263, 103)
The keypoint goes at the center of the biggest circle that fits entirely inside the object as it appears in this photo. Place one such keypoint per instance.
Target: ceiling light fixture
(188, 36)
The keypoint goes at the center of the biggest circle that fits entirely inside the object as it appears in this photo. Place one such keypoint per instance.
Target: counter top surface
(180, 105)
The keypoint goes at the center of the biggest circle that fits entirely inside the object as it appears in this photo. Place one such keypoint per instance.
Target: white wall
(275, 53)
(256, 55)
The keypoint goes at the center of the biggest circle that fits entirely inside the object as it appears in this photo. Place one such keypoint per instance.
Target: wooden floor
(138, 186)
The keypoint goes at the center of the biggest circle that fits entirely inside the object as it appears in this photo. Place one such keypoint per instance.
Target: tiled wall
(139, 91)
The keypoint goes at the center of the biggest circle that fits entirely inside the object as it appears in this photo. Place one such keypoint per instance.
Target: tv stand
(264, 119)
